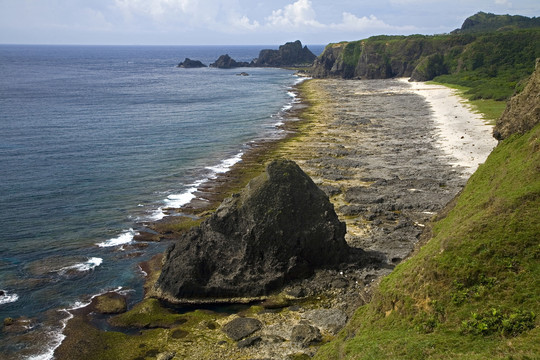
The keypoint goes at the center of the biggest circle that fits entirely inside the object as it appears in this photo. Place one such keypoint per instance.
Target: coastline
(319, 146)
(464, 134)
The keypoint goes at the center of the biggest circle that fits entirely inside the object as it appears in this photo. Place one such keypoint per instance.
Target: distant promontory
(291, 54)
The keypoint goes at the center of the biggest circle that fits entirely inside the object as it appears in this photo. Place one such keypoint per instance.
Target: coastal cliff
(485, 48)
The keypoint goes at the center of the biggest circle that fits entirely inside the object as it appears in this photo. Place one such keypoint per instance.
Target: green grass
(481, 270)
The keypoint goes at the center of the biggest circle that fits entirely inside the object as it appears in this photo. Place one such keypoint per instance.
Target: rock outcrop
(290, 54)
(226, 62)
(522, 112)
(190, 64)
(281, 227)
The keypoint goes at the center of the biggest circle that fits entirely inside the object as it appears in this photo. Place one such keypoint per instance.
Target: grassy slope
(484, 256)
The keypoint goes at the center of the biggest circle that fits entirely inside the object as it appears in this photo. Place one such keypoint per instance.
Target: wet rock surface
(375, 153)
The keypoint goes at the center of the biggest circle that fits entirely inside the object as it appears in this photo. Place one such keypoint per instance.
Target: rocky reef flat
(375, 149)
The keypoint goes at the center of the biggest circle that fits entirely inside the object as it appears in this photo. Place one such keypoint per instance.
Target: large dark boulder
(226, 62)
(281, 227)
(190, 64)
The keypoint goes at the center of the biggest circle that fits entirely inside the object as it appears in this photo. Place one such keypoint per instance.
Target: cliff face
(486, 44)
(523, 111)
(385, 57)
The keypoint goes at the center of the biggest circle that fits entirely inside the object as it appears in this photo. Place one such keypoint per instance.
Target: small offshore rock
(8, 321)
(240, 328)
(226, 62)
(191, 64)
(110, 303)
(305, 335)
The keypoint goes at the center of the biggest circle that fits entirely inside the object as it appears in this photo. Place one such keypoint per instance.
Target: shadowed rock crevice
(281, 227)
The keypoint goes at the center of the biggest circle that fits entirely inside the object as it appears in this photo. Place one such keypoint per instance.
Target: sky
(235, 22)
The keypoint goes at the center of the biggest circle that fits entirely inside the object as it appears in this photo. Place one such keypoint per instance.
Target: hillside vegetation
(491, 55)
(473, 290)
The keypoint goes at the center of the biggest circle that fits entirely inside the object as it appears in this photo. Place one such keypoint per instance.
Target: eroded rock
(281, 227)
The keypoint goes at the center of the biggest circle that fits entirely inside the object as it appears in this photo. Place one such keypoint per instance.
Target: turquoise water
(95, 140)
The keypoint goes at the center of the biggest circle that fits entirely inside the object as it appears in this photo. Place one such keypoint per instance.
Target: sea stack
(281, 227)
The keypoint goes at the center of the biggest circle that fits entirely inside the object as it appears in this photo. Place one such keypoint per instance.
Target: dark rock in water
(243, 74)
(19, 325)
(240, 327)
(190, 64)
(290, 54)
(226, 62)
(281, 227)
(110, 303)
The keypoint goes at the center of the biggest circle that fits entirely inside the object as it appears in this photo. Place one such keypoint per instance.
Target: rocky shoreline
(386, 177)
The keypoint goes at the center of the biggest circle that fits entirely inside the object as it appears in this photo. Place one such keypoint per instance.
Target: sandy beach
(463, 134)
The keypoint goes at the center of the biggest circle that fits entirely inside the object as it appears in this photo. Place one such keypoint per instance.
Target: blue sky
(231, 22)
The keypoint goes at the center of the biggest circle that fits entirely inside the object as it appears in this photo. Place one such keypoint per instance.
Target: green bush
(495, 321)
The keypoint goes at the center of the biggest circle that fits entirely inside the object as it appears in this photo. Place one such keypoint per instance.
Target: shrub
(495, 321)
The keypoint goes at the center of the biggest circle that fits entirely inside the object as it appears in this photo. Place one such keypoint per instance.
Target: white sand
(463, 134)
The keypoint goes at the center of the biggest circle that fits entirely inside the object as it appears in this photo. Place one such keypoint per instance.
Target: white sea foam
(157, 214)
(8, 298)
(124, 238)
(57, 334)
(178, 200)
(88, 265)
(226, 165)
(145, 274)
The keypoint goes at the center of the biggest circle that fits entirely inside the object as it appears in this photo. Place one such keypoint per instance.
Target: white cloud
(301, 16)
(351, 22)
(243, 22)
(503, 2)
(220, 15)
(298, 14)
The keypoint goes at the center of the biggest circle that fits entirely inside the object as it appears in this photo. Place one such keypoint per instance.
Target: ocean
(95, 140)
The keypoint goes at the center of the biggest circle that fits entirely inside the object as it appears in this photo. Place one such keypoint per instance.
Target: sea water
(95, 140)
